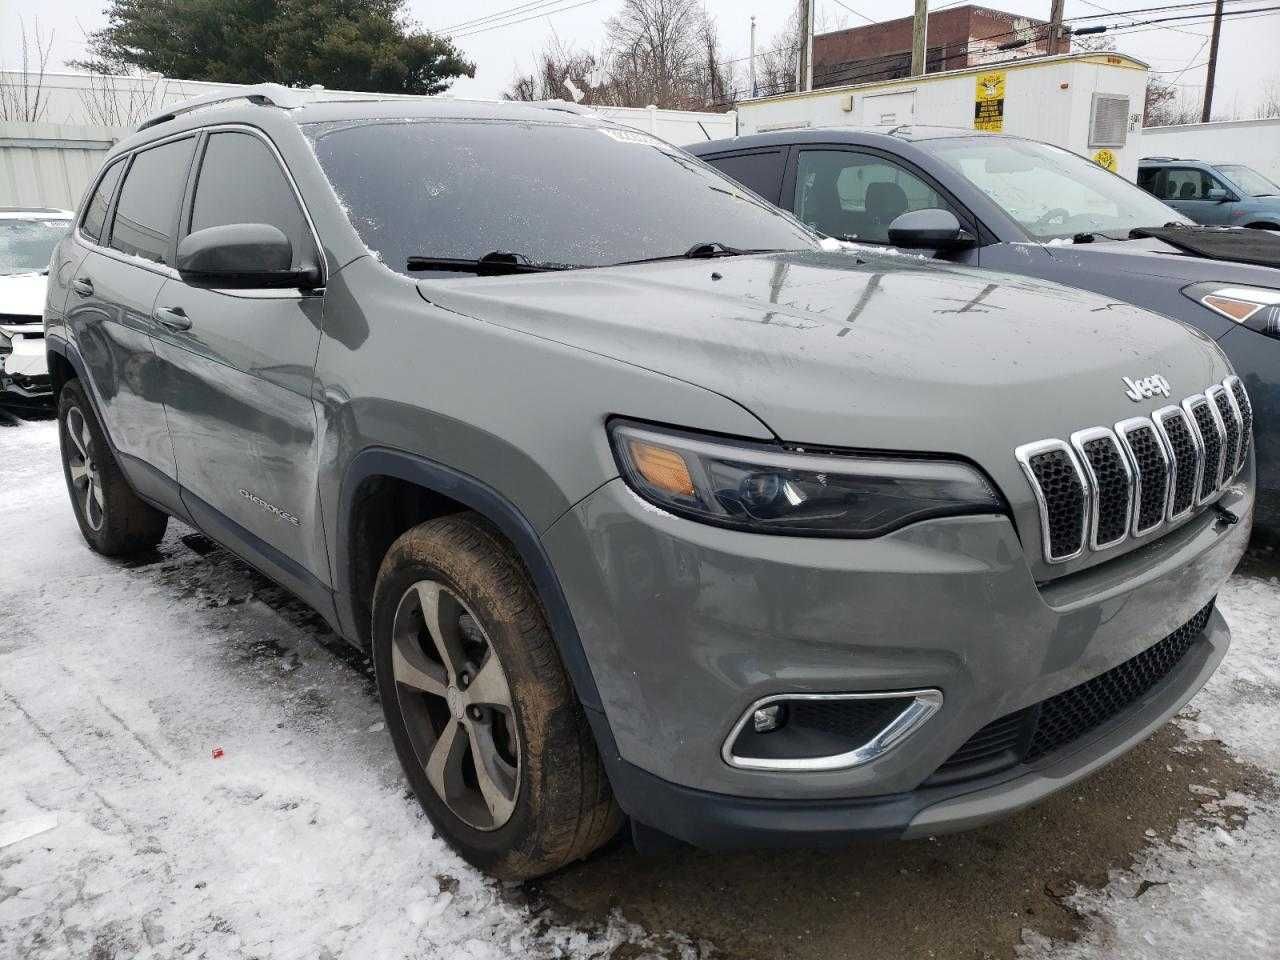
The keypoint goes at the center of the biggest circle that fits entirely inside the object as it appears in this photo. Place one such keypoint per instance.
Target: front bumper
(24, 373)
(720, 822)
(686, 625)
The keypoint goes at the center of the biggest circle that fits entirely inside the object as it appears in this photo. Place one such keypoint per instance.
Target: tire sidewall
(73, 395)
(485, 848)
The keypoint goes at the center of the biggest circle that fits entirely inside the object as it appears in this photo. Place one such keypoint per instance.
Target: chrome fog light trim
(924, 704)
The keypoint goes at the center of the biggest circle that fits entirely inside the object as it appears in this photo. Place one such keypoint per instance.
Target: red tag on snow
(217, 753)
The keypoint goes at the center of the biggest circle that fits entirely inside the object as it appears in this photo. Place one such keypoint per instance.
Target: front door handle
(82, 286)
(175, 318)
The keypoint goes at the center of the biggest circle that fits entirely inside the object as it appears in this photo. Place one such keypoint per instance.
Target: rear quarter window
(95, 214)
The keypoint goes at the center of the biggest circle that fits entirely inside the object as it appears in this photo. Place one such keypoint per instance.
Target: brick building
(958, 37)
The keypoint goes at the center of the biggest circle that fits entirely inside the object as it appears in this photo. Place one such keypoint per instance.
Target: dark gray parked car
(642, 501)
(1033, 209)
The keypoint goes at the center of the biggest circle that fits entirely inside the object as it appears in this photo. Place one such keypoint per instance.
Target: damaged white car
(27, 239)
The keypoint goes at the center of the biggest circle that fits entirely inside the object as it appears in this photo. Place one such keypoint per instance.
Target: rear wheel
(481, 712)
(112, 519)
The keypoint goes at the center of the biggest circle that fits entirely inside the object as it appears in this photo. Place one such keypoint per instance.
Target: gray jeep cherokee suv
(642, 501)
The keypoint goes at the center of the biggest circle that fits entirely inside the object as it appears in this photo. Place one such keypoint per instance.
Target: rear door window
(760, 171)
(95, 214)
(855, 196)
(241, 182)
(146, 217)
(1188, 183)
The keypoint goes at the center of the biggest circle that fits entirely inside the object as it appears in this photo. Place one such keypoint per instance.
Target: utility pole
(1055, 26)
(754, 90)
(805, 79)
(920, 38)
(1213, 63)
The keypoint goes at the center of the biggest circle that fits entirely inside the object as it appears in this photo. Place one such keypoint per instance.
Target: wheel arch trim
(476, 495)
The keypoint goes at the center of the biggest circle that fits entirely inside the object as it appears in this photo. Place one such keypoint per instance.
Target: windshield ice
(1051, 192)
(560, 194)
(27, 245)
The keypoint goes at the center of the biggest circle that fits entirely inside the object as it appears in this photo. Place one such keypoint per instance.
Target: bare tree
(116, 100)
(556, 64)
(1269, 105)
(22, 95)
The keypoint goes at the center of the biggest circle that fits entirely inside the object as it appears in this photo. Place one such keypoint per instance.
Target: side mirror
(242, 255)
(933, 229)
(1219, 194)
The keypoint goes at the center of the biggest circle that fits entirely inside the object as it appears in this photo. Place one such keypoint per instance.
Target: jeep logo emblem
(1146, 388)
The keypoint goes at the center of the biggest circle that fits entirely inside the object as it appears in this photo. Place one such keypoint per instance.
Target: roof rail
(1159, 158)
(262, 94)
(564, 106)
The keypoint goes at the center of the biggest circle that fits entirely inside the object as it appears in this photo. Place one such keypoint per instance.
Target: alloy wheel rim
(456, 704)
(86, 480)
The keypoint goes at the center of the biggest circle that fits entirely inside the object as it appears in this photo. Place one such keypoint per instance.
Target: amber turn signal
(662, 467)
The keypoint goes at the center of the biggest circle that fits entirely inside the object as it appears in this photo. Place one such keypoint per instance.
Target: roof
(317, 105)
(865, 136)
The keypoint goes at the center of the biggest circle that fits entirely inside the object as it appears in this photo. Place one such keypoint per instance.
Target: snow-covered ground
(118, 683)
(123, 835)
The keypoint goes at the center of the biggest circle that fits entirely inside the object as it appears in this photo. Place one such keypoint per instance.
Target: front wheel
(112, 519)
(482, 714)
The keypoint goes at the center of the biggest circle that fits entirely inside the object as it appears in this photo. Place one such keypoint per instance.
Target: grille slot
(1208, 426)
(1186, 459)
(1151, 473)
(1231, 424)
(1060, 490)
(1236, 386)
(1111, 479)
(1062, 719)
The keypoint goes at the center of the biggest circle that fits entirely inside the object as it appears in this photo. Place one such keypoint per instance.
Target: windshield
(551, 193)
(1250, 180)
(26, 246)
(1049, 191)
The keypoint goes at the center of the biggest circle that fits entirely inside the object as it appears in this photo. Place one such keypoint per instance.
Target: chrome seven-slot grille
(1106, 485)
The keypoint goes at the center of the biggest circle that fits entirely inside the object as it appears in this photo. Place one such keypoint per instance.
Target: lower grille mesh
(1062, 719)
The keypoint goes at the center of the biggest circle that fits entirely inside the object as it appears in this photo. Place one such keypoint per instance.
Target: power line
(511, 23)
(499, 15)
(1123, 29)
(856, 13)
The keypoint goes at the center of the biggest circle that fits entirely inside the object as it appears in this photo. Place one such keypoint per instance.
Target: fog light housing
(767, 718)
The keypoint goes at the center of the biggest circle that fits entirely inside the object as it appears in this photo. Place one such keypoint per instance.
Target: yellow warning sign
(1107, 160)
(988, 102)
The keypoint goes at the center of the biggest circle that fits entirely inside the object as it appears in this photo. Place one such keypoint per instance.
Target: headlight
(1257, 308)
(772, 490)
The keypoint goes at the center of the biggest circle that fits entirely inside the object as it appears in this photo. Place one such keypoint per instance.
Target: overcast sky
(1247, 59)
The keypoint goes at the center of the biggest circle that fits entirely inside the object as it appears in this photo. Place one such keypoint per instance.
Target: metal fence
(50, 164)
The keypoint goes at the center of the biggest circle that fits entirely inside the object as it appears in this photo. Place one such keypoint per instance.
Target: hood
(1155, 258)
(891, 353)
(860, 351)
(23, 294)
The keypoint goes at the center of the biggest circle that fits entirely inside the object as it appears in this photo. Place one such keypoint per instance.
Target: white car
(27, 239)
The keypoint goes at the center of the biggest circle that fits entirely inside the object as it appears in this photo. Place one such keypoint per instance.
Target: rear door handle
(175, 318)
(82, 286)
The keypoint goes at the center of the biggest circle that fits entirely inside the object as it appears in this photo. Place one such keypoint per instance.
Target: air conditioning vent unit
(1108, 120)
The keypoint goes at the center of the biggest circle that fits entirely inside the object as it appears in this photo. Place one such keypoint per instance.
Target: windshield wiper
(704, 251)
(492, 264)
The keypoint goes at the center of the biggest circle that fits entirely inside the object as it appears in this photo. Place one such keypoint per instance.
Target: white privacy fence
(49, 159)
(50, 164)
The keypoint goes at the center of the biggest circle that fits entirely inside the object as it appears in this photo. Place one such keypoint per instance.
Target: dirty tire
(124, 524)
(564, 808)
